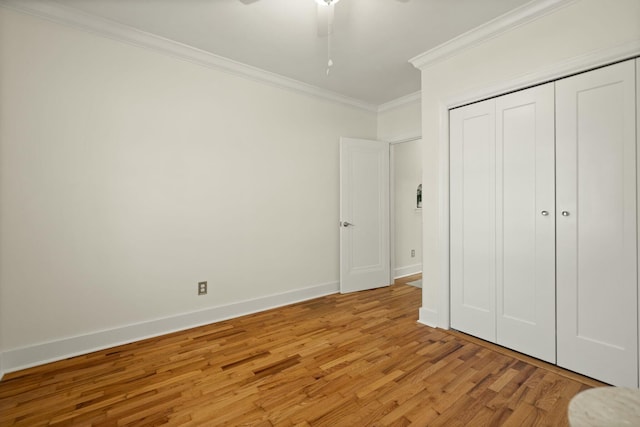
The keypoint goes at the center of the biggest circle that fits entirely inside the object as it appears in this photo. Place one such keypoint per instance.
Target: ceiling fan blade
(325, 20)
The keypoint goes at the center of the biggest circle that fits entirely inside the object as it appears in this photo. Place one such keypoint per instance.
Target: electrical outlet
(202, 288)
(413, 253)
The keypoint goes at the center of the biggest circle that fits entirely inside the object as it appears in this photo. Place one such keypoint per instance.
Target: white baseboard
(407, 270)
(26, 357)
(1, 367)
(428, 317)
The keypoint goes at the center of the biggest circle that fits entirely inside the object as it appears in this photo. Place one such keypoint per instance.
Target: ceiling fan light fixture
(327, 2)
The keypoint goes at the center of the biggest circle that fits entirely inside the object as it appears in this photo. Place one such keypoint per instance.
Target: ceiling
(371, 42)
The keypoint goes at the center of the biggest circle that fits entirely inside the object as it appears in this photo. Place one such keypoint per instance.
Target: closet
(543, 193)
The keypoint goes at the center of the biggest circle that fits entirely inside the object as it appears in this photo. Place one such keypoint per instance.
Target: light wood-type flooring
(342, 360)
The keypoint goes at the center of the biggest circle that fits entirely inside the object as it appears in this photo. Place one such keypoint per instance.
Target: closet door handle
(565, 213)
(544, 213)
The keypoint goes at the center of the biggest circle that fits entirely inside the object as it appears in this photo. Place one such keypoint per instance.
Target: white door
(596, 224)
(364, 214)
(525, 218)
(473, 219)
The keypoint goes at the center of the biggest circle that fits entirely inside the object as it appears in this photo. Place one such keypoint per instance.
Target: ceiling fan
(325, 24)
(325, 15)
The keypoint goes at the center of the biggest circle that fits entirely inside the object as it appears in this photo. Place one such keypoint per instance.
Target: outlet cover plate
(202, 288)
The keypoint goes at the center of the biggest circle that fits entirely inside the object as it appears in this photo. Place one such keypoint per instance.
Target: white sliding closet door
(596, 224)
(525, 218)
(473, 219)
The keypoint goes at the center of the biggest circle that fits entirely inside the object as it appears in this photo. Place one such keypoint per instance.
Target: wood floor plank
(358, 359)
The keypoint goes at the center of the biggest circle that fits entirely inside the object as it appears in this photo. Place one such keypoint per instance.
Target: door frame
(440, 316)
(392, 234)
(392, 205)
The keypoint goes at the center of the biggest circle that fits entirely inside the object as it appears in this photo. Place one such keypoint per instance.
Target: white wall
(399, 123)
(580, 28)
(407, 173)
(127, 176)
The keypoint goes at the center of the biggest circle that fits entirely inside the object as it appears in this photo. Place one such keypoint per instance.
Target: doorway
(406, 211)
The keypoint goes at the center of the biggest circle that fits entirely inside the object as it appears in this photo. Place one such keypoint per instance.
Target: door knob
(347, 224)
(545, 213)
(565, 213)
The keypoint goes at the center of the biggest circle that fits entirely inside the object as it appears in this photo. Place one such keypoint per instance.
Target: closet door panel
(596, 224)
(526, 222)
(472, 198)
(638, 188)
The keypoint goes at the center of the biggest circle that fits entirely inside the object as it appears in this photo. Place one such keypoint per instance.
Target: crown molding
(124, 33)
(399, 102)
(507, 22)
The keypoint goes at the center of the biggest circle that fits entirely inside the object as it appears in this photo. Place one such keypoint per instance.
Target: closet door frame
(638, 187)
(439, 314)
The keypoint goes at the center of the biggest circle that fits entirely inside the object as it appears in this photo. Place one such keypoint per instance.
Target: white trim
(399, 102)
(124, 33)
(443, 315)
(392, 213)
(405, 138)
(408, 270)
(1, 367)
(428, 317)
(638, 188)
(510, 20)
(440, 318)
(39, 354)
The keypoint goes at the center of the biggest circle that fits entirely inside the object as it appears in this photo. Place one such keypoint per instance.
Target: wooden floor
(342, 360)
